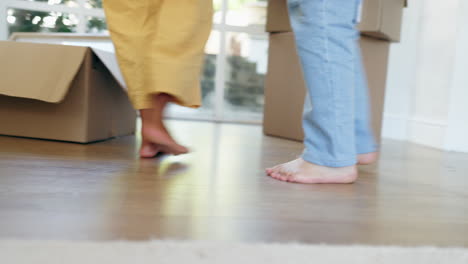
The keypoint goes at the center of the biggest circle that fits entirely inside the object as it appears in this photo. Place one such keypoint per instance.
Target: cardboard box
(61, 92)
(379, 18)
(285, 89)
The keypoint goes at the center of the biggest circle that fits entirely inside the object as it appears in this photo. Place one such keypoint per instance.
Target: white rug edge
(170, 251)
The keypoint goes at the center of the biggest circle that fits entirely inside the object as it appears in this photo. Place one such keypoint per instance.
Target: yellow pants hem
(180, 81)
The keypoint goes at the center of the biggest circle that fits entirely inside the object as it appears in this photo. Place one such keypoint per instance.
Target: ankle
(162, 99)
(367, 158)
(146, 115)
(151, 117)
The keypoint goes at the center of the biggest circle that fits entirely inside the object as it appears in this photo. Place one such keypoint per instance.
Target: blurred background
(236, 54)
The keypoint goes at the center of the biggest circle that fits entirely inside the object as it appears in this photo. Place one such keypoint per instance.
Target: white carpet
(165, 252)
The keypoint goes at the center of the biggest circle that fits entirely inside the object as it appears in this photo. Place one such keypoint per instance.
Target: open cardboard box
(62, 92)
(379, 18)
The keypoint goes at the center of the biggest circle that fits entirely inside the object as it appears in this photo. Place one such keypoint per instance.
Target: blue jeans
(336, 118)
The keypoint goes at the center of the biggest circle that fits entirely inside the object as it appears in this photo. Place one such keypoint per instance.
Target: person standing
(336, 119)
(160, 47)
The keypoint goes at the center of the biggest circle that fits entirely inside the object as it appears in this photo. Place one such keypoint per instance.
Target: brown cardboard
(375, 55)
(278, 17)
(380, 18)
(61, 92)
(285, 87)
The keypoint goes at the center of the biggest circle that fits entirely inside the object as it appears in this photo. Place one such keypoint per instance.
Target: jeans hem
(328, 163)
(368, 150)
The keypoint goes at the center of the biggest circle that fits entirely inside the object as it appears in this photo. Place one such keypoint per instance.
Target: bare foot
(367, 158)
(154, 133)
(301, 171)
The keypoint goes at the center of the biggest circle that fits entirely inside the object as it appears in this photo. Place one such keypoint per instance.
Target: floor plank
(53, 190)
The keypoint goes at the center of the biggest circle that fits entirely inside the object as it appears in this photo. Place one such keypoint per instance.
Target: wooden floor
(54, 190)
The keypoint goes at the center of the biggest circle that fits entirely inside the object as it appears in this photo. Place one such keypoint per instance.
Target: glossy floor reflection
(102, 191)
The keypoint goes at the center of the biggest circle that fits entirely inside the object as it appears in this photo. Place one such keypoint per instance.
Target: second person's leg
(172, 67)
(326, 39)
(159, 45)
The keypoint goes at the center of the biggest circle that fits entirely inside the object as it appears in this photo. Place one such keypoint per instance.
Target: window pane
(218, 13)
(246, 67)
(71, 3)
(207, 83)
(20, 20)
(246, 12)
(96, 25)
(93, 4)
(217, 5)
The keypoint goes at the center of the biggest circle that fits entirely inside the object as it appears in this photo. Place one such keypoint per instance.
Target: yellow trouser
(159, 46)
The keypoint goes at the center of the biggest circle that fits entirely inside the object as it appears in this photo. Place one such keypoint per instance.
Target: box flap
(110, 61)
(38, 71)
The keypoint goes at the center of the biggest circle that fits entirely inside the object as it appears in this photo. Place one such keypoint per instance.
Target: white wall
(426, 78)
(457, 132)
(400, 80)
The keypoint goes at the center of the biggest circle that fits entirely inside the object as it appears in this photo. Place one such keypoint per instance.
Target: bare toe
(301, 171)
(275, 175)
(177, 149)
(282, 176)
